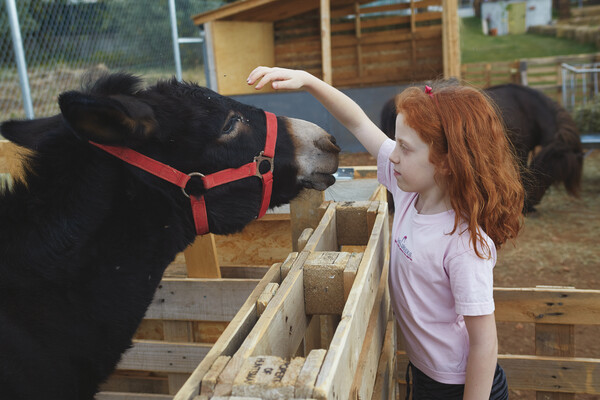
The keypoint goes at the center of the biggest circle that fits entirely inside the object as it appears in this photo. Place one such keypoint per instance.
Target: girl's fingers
(280, 78)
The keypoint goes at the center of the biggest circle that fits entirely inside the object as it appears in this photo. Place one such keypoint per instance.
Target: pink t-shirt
(435, 278)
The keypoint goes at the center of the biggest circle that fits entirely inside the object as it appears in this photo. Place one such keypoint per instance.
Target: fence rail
(553, 369)
(544, 74)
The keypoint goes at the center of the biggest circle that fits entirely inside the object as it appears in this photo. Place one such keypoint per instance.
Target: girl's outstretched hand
(280, 78)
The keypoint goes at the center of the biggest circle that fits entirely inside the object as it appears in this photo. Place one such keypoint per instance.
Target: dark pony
(86, 237)
(544, 136)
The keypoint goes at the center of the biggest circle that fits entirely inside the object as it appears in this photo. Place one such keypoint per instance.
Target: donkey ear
(116, 119)
(30, 133)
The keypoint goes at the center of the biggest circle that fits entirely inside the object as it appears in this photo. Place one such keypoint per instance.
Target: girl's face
(412, 168)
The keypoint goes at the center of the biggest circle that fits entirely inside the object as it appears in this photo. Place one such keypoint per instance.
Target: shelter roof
(264, 10)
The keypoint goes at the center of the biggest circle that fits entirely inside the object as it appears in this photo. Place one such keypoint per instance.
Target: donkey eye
(230, 124)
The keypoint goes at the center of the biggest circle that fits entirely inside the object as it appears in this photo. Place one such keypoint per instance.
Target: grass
(477, 47)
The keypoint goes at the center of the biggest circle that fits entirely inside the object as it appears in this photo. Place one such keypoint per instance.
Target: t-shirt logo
(402, 246)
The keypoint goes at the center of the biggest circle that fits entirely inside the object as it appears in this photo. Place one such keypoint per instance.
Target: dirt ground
(559, 245)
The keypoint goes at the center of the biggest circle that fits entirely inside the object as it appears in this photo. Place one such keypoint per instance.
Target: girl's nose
(395, 156)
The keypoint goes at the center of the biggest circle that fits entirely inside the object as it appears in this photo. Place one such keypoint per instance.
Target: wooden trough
(316, 326)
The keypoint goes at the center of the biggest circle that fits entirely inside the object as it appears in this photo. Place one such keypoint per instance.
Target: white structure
(515, 16)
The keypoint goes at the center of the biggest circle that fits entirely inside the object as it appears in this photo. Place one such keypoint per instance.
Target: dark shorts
(425, 388)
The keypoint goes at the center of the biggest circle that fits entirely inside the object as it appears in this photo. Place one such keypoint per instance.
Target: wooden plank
(350, 273)
(366, 372)
(230, 39)
(385, 384)
(266, 297)
(308, 375)
(325, 236)
(285, 313)
(342, 356)
(548, 305)
(201, 258)
(147, 355)
(553, 374)
(210, 379)
(304, 213)
(303, 239)
(199, 299)
(230, 340)
(131, 396)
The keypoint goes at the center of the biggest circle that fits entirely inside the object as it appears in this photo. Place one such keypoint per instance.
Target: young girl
(457, 197)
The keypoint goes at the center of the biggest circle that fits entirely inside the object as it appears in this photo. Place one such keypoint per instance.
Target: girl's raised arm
(342, 107)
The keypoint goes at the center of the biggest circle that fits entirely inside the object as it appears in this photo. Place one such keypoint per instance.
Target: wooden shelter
(346, 43)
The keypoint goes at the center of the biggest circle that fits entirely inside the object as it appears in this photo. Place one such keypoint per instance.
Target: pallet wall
(395, 43)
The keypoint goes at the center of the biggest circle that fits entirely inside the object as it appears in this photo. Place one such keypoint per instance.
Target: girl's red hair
(473, 158)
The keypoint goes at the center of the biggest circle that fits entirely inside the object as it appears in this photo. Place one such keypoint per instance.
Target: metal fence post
(175, 36)
(15, 30)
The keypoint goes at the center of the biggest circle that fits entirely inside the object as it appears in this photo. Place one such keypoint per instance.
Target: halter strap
(181, 179)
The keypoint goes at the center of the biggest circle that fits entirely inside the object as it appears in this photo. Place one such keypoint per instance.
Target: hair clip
(429, 91)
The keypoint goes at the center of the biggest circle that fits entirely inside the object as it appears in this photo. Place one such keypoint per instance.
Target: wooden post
(201, 258)
(554, 340)
(413, 29)
(358, 34)
(326, 41)
(451, 39)
(304, 213)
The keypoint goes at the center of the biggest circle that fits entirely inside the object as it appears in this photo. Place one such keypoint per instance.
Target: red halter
(180, 179)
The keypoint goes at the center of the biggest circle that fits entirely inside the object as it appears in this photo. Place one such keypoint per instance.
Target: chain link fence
(64, 39)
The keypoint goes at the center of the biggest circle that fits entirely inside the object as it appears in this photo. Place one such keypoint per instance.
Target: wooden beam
(324, 282)
(351, 221)
(325, 10)
(548, 305)
(149, 355)
(451, 39)
(552, 374)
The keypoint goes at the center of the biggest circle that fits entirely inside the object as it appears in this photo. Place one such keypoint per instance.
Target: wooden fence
(540, 73)
(552, 371)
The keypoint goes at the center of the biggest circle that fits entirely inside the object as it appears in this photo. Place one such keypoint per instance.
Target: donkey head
(194, 129)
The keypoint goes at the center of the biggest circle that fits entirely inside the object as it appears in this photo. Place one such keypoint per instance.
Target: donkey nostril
(327, 145)
(332, 138)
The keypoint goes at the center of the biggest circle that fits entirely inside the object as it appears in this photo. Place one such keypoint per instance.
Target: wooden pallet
(325, 332)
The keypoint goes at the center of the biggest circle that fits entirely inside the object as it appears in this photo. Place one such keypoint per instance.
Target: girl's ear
(116, 119)
(444, 167)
